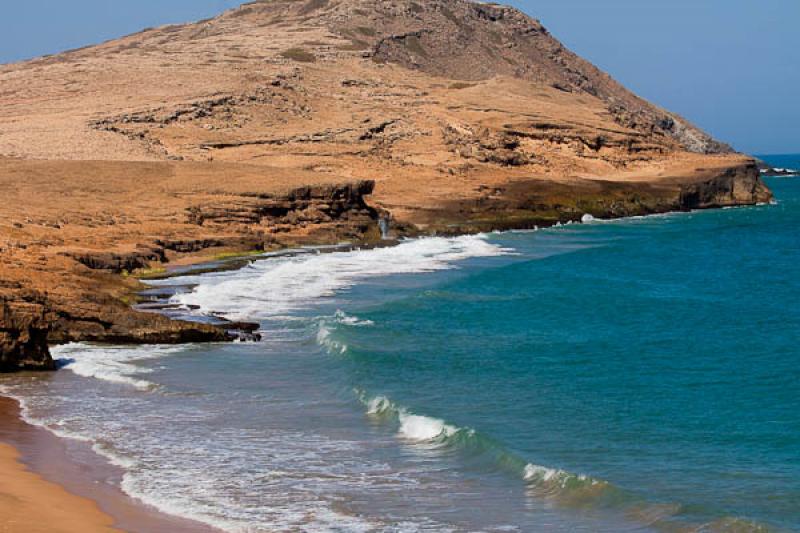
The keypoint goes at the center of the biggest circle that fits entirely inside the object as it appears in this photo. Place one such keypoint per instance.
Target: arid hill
(288, 121)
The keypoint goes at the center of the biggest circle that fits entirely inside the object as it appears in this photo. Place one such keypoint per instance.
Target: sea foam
(115, 364)
(276, 287)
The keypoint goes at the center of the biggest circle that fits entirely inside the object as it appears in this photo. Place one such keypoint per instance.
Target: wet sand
(54, 485)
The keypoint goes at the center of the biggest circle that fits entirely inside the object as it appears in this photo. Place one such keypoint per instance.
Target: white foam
(413, 427)
(327, 326)
(54, 426)
(136, 486)
(325, 339)
(115, 364)
(553, 477)
(379, 405)
(272, 488)
(270, 288)
(539, 473)
(344, 318)
(425, 431)
(114, 457)
(423, 428)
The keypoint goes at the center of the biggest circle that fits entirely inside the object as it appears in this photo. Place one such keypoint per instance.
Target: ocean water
(785, 161)
(635, 375)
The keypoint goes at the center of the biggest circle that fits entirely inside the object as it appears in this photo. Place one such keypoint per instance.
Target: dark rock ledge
(530, 203)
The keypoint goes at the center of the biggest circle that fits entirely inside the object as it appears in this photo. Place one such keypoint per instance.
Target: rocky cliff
(73, 275)
(24, 327)
(540, 203)
(286, 122)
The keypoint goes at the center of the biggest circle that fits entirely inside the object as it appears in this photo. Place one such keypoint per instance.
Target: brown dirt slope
(287, 121)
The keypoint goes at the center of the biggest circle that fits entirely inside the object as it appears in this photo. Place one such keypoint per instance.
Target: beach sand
(54, 485)
(29, 504)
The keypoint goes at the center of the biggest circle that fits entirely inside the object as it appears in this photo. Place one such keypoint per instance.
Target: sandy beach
(30, 504)
(53, 485)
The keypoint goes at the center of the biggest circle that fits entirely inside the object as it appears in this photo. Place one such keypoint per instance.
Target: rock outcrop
(739, 185)
(465, 40)
(324, 207)
(25, 322)
(540, 203)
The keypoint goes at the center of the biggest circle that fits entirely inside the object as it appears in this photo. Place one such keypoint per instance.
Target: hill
(307, 121)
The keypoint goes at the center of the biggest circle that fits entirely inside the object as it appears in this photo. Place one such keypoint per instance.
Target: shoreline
(92, 479)
(81, 473)
(65, 486)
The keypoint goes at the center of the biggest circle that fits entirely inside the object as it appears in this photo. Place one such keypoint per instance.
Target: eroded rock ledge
(94, 311)
(526, 204)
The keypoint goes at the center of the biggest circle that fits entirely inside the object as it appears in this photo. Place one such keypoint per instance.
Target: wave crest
(420, 429)
(114, 364)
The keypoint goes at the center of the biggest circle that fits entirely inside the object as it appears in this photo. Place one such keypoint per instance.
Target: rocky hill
(287, 121)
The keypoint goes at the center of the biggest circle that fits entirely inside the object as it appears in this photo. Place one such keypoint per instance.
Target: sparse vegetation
(235, 255)
(149, 273)
(364, 30)
(299, 54)
(414, 46)
(462, 85)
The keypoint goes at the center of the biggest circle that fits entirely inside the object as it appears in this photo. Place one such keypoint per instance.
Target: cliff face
(541, 203)
(738, 185)
(287, 122)
(24, 326)
(69, 273)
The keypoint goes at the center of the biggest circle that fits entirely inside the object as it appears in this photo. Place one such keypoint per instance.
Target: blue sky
(730, 66)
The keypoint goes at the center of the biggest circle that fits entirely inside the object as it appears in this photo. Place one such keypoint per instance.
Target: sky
(730, 66)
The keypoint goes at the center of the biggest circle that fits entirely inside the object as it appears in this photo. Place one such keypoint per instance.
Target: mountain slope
(474, 41)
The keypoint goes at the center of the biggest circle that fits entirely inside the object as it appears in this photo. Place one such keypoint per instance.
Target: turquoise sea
(635, 375)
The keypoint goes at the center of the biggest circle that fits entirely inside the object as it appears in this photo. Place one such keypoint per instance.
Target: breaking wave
(326, 329)
(433, 433)
(273, 288)
(559, 486)
(115, 364)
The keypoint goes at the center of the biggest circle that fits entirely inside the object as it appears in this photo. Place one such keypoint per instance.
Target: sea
(632, 375)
